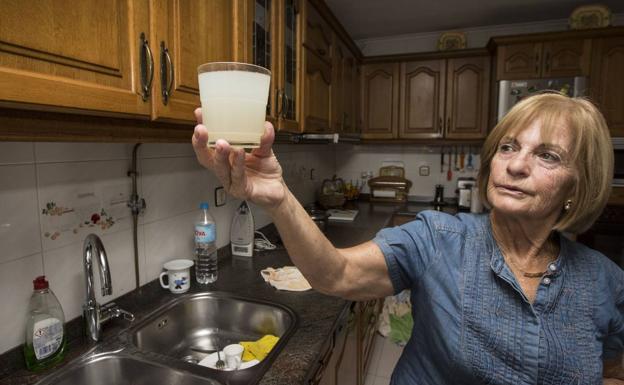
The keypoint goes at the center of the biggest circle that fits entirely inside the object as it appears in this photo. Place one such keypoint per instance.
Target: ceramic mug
(233, 355)
(178, 275)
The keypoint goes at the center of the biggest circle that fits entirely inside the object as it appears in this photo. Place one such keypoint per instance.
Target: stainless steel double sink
(165, 347)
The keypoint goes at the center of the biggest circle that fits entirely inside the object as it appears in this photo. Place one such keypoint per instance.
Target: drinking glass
(233, 101)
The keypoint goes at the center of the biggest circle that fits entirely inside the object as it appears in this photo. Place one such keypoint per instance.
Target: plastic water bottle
(205, 246)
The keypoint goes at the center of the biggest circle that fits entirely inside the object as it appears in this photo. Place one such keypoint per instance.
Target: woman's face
(529, 178)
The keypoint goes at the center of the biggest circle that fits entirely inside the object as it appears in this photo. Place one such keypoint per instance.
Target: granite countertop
(318, 314)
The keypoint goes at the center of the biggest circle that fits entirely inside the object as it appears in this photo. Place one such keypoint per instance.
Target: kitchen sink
(115, 369)
(191, 327)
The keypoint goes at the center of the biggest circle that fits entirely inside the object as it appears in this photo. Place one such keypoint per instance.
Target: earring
(567, 205)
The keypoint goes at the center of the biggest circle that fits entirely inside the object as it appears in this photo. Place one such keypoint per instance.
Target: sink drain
(190, 359)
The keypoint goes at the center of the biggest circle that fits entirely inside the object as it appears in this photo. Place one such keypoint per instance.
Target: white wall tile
(168, 239)
(19, 219)
(16, 153)
(16, 287)
(65, 267)
(172, 186)
(166, 150)
(70, 152)
(79, 190)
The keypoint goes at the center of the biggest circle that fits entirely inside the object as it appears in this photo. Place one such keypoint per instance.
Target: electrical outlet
(220, 196)
(423, 170)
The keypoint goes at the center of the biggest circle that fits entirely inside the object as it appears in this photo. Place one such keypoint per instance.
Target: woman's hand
(256, 176)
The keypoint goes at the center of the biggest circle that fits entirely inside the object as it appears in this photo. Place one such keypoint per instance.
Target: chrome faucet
(94, 314)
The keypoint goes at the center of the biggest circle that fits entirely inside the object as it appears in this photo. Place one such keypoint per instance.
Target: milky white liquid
(234, 106)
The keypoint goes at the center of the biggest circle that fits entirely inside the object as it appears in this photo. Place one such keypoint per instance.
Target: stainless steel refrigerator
(511, 92)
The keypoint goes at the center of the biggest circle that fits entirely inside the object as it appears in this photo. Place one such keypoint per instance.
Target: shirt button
(552, 267)
(546, 281)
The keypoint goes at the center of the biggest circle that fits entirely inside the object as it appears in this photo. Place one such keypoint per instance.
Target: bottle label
(47, 337)
(205, 233)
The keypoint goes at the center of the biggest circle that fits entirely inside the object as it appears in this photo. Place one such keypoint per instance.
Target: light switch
(220, 196)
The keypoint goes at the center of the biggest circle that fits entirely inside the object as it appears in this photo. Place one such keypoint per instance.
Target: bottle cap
(203, 205)
(40, 283)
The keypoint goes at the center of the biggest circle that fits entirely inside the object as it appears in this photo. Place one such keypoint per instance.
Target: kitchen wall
(475, 37)
(353, 160)
(53, 194)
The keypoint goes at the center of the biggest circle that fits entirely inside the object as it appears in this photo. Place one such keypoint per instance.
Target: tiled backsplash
(53, 194)
(351, 163)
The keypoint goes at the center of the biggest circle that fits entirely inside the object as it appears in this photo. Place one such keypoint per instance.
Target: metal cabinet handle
(441, 125)
(536, 63)
(146, 66)
(448, 124)
(166, 73)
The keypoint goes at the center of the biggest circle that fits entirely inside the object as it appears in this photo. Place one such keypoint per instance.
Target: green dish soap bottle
(45, 328)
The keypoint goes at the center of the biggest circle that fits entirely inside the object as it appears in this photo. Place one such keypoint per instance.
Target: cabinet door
(519, 61)
(563, 58)
(73, 55)
(468, 86)
(187, 33)
(317, 91)
(289, 45)
(422, 99)
(337, 108)
(348, 92)
(380, 100)
(265, 50)
(607, 81)
(317, 35)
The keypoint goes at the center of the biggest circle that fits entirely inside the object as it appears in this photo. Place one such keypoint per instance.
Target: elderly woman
(498, 298)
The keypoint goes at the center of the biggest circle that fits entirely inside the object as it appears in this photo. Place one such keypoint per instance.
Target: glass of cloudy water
(233, 101)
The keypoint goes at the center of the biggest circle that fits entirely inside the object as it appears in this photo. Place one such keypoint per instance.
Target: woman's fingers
(239, 179)
(204, 154)
(266, 141)
(222, 163)
(198, 115)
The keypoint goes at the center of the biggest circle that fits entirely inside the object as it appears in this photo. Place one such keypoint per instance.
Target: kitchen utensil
(242, 231)
(442, 160)
(220, 364)
(449, 173)
(461, 159)
(469, 166)
(438, 199)
(456, 162)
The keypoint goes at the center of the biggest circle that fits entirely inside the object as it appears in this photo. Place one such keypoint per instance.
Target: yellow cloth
(257, 350)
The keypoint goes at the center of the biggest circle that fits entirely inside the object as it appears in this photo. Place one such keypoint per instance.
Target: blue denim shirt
(473, 324)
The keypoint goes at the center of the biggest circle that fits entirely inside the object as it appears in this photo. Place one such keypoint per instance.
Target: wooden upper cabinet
(318, 35)
(563, 58)
(77, 55)
(380, 100)
(519, 61)
(467, 97)
(422, 99)
(348, 94)
(317, 94)
(607, 81)
(186, 34)
(287, 78)
(538, 59)
(337, 89)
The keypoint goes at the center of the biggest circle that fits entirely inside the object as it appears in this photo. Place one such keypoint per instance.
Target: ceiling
(365, 19)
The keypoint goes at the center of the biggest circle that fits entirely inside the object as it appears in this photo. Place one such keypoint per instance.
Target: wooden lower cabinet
(353, 343)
